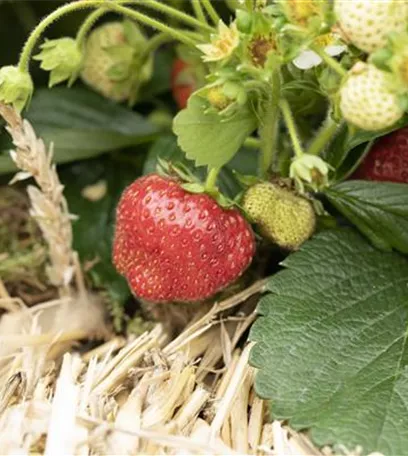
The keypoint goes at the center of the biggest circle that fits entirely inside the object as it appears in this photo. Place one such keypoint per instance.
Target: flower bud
(16, 87)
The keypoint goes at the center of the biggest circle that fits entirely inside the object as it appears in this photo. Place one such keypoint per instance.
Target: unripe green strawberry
(283, 217)
(368, 98)
(367, 23)
(112, 63)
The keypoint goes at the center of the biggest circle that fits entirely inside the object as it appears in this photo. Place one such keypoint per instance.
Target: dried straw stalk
(48, 205)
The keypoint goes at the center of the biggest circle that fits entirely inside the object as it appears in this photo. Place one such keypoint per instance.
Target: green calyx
(16, 87)
(62, 58)
(283, 217)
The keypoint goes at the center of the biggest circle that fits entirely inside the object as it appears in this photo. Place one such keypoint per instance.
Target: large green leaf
(208, 138)
(81, 124)
(377, 209)
(331, 343)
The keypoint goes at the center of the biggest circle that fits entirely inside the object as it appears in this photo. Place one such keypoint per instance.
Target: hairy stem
(269, 129)
(198, 11)
(330, 61)
(291, 126)
(323, 137)
(211, 11)
(210, 183)
(23, 64)
(87, 25)
(154, 23)
(173, 12)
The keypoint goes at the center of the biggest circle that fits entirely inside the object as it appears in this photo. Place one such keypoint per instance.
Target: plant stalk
(291, 126)
(211, 11)
(323, 137)
(269, 130)
(176, 14)
(87, 25)
(198, 11)
(332, 63)
(24, 61)
(211, 181)
(154, 23)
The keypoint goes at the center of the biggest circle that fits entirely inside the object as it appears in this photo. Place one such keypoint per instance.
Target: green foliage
(93, 231)
(81, 124)
(378, 209)
(331, 343)
(209, 139)
(350, 146)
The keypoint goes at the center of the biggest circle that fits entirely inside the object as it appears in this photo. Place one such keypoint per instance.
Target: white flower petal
(306, 60)
(335, 49)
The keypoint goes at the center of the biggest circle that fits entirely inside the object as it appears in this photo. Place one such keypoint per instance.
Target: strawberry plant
(238, 134)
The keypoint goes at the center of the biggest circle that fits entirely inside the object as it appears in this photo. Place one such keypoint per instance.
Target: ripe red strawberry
(183, 83)
(172, 245)
(387, 160)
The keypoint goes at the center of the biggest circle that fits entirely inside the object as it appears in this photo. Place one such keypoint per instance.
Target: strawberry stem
(291, 127)
(211, 11)
(329, 60)
(269, 129)
(87, 25)
(154, 23)
(198, 11)
(323, 137)
(176, 14)
(211, 181)
(24, 61)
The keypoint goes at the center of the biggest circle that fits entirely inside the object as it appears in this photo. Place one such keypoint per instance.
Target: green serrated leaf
(209, 139)
(331, 343)
(378, 209)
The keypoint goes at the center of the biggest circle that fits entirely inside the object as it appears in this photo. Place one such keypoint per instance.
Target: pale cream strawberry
(367, 23)
(368, 98)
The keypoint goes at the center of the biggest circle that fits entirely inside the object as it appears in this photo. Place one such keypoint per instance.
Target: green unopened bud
(62, 58)
(244, 21)
(16, 87)
(282, 216)
(311, 169)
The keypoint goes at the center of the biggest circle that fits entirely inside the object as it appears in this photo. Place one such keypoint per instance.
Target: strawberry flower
(308, 59)
(222, 44)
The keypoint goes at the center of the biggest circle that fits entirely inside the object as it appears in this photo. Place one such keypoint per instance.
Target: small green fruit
(16, 87)
(283, 217)
(114, 63)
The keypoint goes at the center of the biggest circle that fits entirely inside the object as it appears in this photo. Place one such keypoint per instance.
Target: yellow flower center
(324, 40)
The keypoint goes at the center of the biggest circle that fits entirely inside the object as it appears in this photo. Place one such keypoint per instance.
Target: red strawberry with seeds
(183, 82)
(387, 159)
(173, 245)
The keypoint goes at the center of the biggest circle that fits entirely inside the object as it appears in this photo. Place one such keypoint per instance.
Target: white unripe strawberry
(367, 23)
(368, 98)
(112, 63)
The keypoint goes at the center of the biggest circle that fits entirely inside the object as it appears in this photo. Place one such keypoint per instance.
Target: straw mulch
(151, 394)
